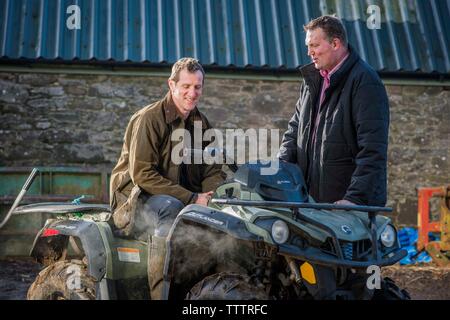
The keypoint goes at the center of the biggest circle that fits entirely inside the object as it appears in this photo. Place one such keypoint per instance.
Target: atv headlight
(388, 236)
(280, 231)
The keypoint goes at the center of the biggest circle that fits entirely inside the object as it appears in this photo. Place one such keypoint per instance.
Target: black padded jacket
(349, 159)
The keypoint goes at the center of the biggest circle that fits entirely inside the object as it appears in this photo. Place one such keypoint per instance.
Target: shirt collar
(171, 112)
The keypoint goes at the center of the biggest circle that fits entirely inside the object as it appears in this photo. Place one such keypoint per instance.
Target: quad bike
(260, 237)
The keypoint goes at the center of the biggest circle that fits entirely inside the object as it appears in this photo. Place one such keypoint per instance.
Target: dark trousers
(155, 215)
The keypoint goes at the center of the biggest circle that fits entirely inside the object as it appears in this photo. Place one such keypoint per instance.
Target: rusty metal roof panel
(414, 34)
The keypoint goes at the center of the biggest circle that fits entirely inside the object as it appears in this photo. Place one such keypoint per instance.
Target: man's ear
(336, 43)
(172, 85)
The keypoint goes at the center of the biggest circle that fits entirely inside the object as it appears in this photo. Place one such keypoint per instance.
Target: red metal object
(423, 216)
(50, 233)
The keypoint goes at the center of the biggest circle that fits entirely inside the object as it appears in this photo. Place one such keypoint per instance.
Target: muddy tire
(226, 286)
(390, 291)
(60, 281)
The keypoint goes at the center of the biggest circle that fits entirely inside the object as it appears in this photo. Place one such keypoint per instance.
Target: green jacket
(145, 161)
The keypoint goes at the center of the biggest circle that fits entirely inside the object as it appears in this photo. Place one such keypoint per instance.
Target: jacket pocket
(347, 161)
(337, 153)
(335, 177)
(124, 179)
(124, 214)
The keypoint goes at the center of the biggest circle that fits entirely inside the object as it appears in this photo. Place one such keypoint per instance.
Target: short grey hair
(190, 64)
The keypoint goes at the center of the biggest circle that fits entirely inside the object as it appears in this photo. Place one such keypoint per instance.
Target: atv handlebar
(213, 152)
(30, 179)
(293, 205)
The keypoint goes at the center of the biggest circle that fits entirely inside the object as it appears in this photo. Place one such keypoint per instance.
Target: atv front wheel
(63, 280)
(390, 291)
(226, 286)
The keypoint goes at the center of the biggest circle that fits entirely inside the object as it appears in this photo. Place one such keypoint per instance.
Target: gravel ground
(425, 282)
(15, 278)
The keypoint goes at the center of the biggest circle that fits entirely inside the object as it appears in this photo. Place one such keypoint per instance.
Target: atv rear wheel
(226, 286)
(63, 280)
(390, 291)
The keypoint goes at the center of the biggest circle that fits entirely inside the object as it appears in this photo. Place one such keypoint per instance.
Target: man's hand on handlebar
(203, 198)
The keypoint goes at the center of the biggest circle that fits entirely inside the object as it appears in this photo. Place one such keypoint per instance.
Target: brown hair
(190, 64)
(331, 26)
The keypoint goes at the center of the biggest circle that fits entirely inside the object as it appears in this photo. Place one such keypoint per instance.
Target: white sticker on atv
(205, 218)
(129, 255)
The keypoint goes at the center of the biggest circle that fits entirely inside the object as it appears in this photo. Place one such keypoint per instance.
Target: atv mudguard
(89, 235)
(211, 219)
(215, 219)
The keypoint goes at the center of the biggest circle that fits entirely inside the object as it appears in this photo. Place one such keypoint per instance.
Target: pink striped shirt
(326, 83)
(326, 77)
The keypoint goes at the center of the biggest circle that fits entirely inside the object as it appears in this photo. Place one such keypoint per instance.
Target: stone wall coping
(165, 72)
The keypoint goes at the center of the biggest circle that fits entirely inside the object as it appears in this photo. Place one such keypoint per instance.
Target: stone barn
(73, 72)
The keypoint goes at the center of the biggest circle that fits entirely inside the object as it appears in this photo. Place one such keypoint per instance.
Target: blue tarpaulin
(408, 241)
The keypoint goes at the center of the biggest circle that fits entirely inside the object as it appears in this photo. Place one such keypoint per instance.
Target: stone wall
(79, 120)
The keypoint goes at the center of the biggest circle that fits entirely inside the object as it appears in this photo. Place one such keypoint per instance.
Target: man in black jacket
(339, 132)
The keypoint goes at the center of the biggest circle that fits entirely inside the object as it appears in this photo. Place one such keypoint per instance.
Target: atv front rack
(371, 211)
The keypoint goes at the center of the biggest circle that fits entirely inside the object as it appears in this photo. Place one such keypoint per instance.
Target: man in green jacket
(148, 189)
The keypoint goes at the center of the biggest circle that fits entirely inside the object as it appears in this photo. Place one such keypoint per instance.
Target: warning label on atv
(129, 255)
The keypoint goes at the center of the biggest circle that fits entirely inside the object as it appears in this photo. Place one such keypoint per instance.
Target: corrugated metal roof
(414, 34)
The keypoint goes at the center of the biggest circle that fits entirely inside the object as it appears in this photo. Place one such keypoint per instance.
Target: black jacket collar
(312, 75)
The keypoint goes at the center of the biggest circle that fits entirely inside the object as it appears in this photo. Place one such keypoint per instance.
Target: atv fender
(90, 238)
(207, 217)
(216, 219)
